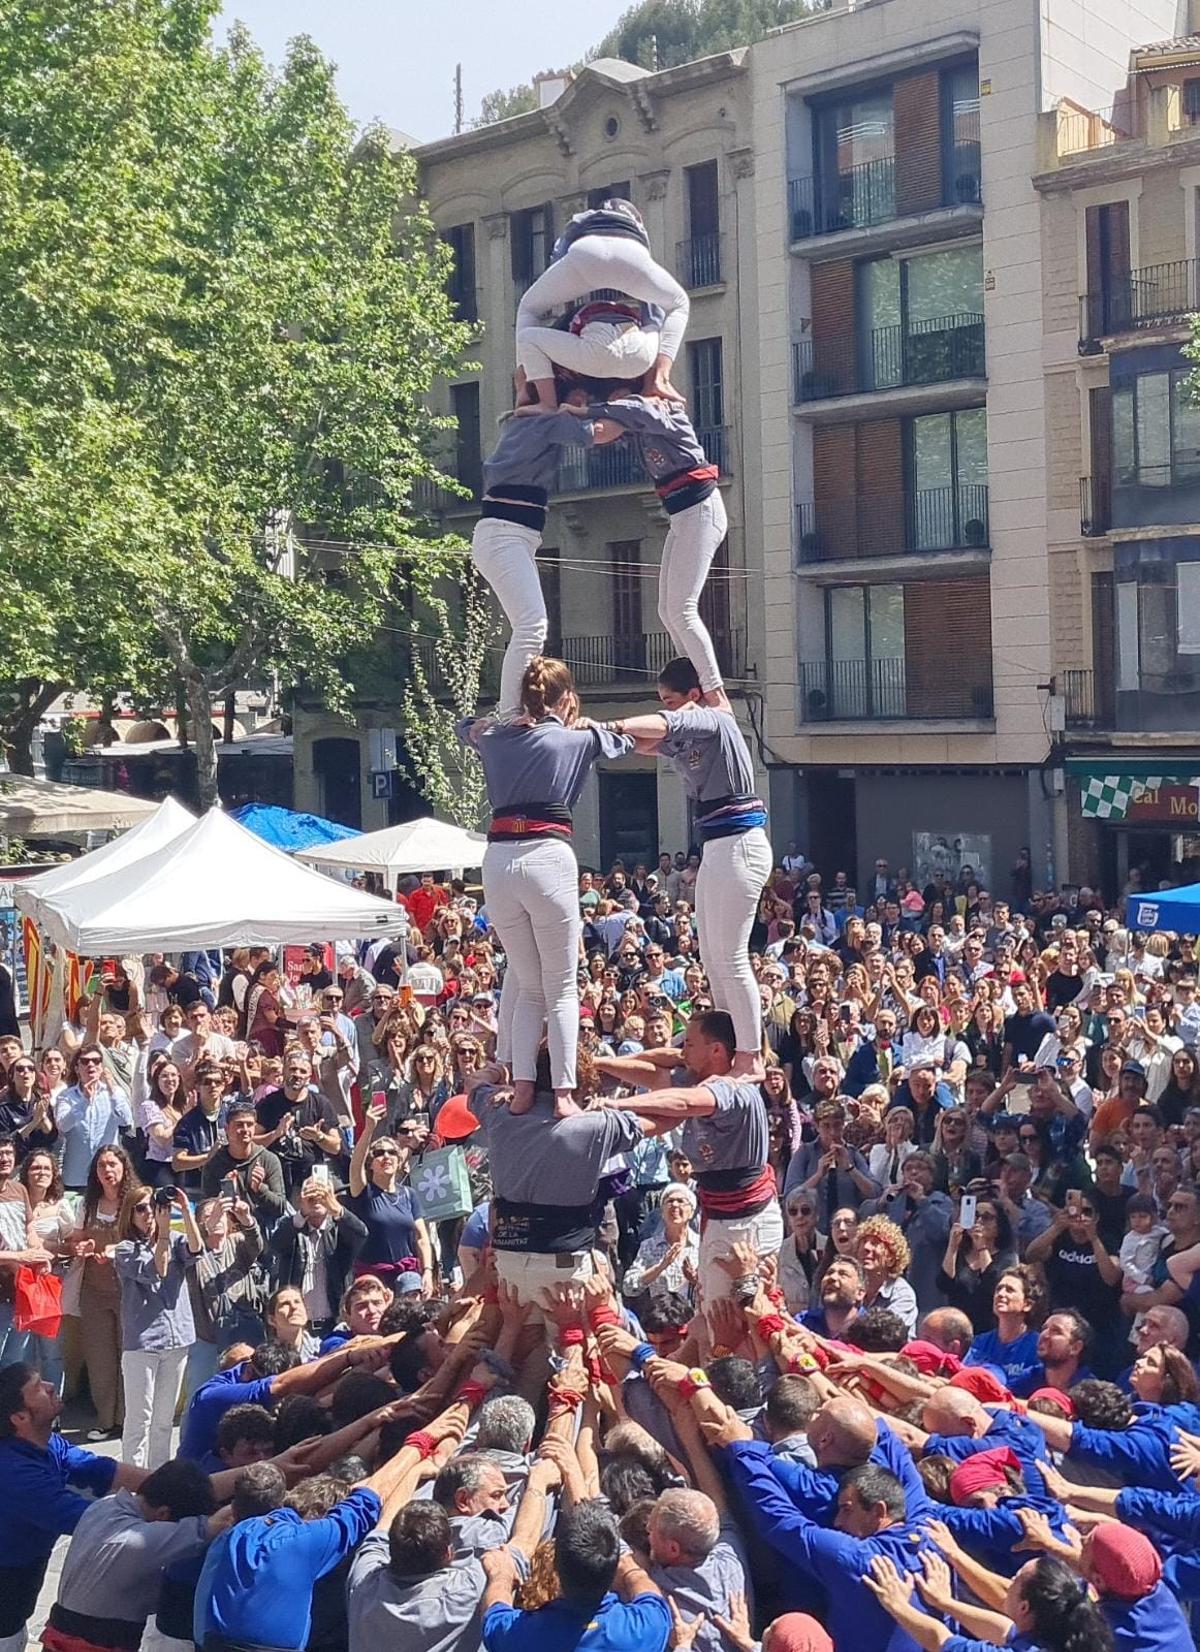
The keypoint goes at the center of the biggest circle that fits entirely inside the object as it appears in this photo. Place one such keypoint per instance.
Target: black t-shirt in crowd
(1073, 1275)
(1061, 990)
(295, 1154)
(1110, 1215)
(1025, 1033)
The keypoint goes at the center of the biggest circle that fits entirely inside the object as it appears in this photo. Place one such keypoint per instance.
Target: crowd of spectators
(958, 1401)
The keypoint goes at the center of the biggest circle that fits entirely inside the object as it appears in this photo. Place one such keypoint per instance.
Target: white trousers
(504, 553)
(717, 1239)
(733, 873)
(692, 541)
(532, 892)
(595, 261)
(151, 1391)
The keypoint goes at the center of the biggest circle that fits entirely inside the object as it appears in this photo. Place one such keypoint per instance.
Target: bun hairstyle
(544, 685)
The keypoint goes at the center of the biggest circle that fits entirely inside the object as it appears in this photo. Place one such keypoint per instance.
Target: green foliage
(663, 33)
(217, 304)
(503, 105)
(446, 685)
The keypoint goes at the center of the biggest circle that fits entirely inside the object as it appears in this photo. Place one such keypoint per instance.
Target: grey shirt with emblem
(660, 433)
(707, 751)
(734, 1137)
(543, 763)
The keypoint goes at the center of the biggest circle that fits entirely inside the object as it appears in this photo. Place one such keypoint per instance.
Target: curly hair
(887, 1234)
(544, 684)
(541, 1586)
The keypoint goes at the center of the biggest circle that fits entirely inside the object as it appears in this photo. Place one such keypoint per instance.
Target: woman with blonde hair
(535, 769)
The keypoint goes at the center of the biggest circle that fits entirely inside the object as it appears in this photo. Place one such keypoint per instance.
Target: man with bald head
(844, 1436)
(956, 1425)
(948, 1329)
(1158, 1324)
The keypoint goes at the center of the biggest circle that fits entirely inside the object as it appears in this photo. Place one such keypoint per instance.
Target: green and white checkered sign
(1109, 796)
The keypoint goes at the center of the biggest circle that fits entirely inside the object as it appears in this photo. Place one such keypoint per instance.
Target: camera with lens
(164, 1198)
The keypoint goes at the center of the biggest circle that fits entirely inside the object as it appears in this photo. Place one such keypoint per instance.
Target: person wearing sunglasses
(26, 1110)
(380, 1197)
(89, 1115)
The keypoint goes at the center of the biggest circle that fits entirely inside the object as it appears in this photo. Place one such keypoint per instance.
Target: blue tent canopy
(286, 830)
(1177, 909)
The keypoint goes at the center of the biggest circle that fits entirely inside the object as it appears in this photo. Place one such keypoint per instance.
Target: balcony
(636, 660)
(890, 690)
(589, 469)
(616, 465)
(893, 524)
(700, 261)
(888, 358)
(431, 653)
(880, 191)
(1087, 697)
(1158, 295)
(1095, 506)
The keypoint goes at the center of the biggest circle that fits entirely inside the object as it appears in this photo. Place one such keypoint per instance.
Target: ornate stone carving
(497, 225)
(742, 161)
(654, 185)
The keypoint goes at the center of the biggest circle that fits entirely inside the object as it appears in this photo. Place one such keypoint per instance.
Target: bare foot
(748, 1065)
(523, 1093)
(565, 1105)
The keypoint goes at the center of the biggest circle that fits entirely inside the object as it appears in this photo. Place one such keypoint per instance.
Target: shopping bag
(37, 1303)
(442, 1185)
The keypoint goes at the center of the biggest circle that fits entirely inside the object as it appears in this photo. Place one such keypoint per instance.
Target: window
(628, 643)
(608, 192)
(532, 236)
(461, 241)
(856, 160)
(1156, 431)
(702, 249)
(960, 128)
(948, 471)
(865, 650)
(1158, 629)
(921, 318)
(468, 462)
(550, 574)
(705, 371)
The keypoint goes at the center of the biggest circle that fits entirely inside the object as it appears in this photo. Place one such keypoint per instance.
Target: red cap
(1123, 1562)
(978, 1380)
(1059, 1398)
(984, 1471)
(929, 1359)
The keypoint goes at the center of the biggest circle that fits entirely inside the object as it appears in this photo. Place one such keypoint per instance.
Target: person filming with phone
(157, 1327)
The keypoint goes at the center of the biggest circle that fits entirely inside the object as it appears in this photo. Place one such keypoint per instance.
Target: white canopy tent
(162, 827)
(213, 884)
(425, 845)
(46, 808)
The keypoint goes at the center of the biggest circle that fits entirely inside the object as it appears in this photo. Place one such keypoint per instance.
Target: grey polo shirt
(709, 1587)
(706, 750)
(538, 1159)
(114, 1564)
(439, 1613)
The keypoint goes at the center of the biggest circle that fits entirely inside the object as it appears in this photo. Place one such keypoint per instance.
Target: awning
(1109, 793)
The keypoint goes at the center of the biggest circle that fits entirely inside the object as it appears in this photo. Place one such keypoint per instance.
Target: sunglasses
(142, 1209)
(384, 1153)
(90, 1060)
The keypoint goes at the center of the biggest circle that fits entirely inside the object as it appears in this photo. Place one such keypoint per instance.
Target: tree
(445, 686)
(503, 105)
(225, 316)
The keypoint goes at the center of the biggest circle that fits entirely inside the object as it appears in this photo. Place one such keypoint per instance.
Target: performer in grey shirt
(535, 772)
(725, 1137)
(706, 748)
(546, 1175)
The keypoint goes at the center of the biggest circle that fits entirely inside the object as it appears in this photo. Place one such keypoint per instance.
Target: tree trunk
(203, 744)
(16, 732)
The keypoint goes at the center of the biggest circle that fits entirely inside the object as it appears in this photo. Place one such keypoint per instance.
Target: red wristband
(471, 1394)
(571, 1337)
(563, 1400)
(423, 1443)
(776, 1296)
(770, 1325)
(603, 1315)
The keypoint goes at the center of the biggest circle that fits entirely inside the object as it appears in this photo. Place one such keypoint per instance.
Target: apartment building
(1120, 187)
(678, 144)
(907, 645)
